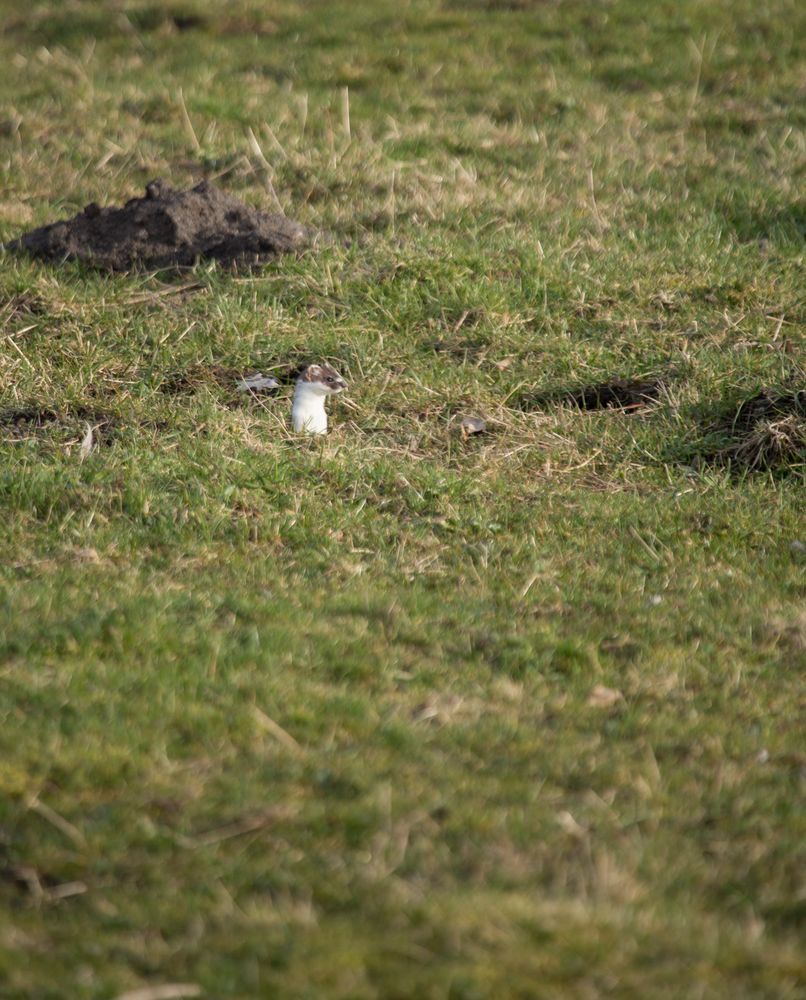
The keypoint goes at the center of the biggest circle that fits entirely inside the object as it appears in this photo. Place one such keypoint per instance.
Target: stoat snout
(314, 384)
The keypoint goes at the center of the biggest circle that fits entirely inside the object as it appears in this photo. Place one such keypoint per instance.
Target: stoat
(314, 384)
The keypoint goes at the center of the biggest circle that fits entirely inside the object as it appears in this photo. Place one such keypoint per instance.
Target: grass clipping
(168, 228)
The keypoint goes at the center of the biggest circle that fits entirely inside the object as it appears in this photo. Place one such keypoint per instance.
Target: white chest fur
(308, 409)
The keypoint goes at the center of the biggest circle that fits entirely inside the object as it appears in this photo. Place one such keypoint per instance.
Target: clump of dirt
(168, 228)
(767, 431)
(621, 394)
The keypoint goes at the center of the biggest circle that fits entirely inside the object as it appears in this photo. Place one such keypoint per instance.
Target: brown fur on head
(324, 375)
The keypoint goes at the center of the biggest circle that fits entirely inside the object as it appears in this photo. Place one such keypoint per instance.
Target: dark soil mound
(168, 228)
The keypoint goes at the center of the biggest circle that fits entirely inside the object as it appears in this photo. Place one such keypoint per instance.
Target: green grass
(317, 719)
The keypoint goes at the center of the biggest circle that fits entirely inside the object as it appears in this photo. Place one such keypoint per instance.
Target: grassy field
(403, 714)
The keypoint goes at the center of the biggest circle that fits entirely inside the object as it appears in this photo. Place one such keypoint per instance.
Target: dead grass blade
(61, 824)
(276, 730)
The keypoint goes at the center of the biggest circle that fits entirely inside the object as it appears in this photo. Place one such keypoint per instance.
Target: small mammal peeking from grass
(314, 384)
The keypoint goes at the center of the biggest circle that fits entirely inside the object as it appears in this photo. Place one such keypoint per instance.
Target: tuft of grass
(408, 712)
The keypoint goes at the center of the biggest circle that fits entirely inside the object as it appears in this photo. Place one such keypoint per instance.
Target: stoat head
(321, 379)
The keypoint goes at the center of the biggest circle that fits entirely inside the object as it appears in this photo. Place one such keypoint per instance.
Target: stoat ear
(312, 373)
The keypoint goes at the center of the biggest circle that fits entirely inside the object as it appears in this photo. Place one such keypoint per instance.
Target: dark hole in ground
(167, 228)
(220, 22)
(66, 25)
(26, 878)
(461, 349)
(191, 379)
(768, 405)
(765, 432)
(163, 18)
(460, 338)
(621, 394)
(29, 421)
(195, 377)
(24, 421)
(186, 22)
(20, 304)
(510, 5)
